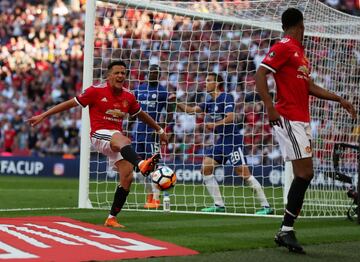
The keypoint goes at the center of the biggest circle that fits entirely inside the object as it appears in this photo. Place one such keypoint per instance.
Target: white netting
(189, 40)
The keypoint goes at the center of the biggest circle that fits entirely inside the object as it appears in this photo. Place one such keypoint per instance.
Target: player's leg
(295, 145)
(122, 144)
(212, 185)
(125, 171)
(244, 172)
(139, 146)
(152, 147)
(234, 154)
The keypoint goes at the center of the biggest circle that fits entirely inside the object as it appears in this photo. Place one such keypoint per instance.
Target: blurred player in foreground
(290, 118)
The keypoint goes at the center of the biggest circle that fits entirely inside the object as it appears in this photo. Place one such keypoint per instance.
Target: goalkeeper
(219, 108)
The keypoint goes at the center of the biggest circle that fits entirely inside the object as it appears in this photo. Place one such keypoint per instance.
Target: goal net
(190, 39)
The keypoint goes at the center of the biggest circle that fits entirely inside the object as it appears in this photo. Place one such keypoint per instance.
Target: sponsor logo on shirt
(117, 113)
(104, 99)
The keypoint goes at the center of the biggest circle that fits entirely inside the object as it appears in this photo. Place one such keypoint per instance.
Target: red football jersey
(291, 69)
(106, 109)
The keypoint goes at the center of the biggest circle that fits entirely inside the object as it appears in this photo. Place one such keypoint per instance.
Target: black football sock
(295, 200)
(130, 155)
(119, 200)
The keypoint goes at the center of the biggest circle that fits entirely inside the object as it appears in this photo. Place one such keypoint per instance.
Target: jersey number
(236, 156)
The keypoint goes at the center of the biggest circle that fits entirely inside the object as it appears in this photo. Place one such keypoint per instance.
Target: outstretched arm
(263, 90)
(184, 107)
(147, 119)
(319, 92)
(56, 109)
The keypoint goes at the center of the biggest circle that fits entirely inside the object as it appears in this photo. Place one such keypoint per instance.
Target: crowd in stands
(41, 64)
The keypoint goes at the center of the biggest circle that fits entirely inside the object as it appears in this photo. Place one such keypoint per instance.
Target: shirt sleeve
(87, 97)
(277, 57)
(134, 106)
(229, 104)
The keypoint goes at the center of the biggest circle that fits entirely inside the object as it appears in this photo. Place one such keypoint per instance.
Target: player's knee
(206, 171)
(243, 171)
(308, 176)
(117, 145)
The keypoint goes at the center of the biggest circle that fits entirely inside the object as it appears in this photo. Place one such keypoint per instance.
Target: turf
(217, 238)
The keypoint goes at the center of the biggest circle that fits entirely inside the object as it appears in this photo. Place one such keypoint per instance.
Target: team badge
(125, 103)
(272, 54)
(308, 149)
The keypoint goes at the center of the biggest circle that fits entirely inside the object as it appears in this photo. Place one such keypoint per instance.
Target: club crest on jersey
(104, 99)
(117, 113)
(308, 149)
(125, 103)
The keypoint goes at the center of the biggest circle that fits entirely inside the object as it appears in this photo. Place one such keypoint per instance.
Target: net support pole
(288, 178)
(83, 201)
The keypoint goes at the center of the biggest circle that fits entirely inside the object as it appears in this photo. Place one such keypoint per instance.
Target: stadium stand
(41, 61)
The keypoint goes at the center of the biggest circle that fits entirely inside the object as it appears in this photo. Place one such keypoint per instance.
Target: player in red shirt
(290, 118)
(108, 105)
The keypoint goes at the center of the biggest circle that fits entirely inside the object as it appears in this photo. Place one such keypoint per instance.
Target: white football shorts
(294, 139)
(101, 143)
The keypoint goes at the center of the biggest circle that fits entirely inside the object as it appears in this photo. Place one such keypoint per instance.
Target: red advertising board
(65, 239)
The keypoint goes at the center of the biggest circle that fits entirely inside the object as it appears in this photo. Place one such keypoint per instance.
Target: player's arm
(188, 109)
(263, 89)
(147, 119)
(229, 118)
(322, 93)
(184, 107)
(56, 109)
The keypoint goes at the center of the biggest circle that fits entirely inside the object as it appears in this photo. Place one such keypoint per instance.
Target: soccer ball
(164, 178)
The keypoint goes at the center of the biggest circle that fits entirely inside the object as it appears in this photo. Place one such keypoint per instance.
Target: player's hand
(274, 118)
(35, 120)
(210, 126)
(163, 139)
(172, 98)
(349, 107)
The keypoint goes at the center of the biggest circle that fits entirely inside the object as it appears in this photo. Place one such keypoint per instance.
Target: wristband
(160, 132)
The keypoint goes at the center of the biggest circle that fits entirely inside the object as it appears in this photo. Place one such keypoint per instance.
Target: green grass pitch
(217, 238)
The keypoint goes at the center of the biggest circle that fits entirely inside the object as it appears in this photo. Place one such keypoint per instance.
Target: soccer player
(219, 108)
(290, 117)
(108, 105)
(152, 97)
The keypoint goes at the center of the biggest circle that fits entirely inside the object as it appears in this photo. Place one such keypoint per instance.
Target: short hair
(117, 63)
(291, 17)
(218, 78)
(155, 67)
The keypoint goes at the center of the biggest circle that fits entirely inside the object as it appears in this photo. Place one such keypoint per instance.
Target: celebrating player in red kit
(108, 105)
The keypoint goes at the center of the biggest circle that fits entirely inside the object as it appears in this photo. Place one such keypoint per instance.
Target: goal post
(84, 201)
(190, 39)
